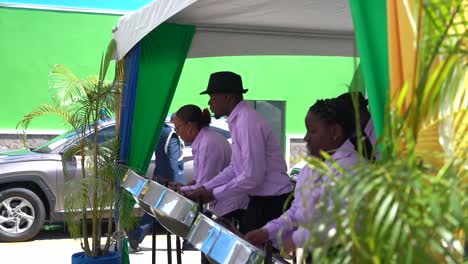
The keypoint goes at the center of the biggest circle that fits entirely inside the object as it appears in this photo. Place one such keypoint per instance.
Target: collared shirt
(257, 165)
(287, 222)
(211, 154)
(306, 195)
(369, 131)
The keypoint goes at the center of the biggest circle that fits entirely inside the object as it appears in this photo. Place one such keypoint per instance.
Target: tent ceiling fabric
(304, 16)
(212, 43)
(246, 27)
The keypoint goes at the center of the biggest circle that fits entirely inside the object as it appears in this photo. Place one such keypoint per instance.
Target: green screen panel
(32, 42)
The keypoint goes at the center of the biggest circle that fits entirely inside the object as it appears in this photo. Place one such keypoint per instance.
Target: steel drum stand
(153, 246)
(169, 244)
(178, 250)
(204, 259)
(268, 253)
(169, 249)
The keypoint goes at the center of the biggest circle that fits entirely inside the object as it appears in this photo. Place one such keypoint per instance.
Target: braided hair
(193, 113)
(334, 111)
(346, 107)
(327, 110)
(348, 99)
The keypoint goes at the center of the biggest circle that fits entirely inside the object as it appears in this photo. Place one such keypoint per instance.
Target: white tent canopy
(246, 27)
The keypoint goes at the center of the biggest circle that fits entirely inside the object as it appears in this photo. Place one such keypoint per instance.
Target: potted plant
(411, 205)
(81, 103)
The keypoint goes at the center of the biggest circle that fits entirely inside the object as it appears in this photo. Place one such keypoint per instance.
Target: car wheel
(22, 215)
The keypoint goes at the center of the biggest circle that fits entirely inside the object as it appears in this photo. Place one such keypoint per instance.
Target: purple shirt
(287, 222)
(305, 198)
(211, 154)
(369, 131)
(257, 165)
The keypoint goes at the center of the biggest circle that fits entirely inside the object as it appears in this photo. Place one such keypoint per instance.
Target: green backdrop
(32, 41)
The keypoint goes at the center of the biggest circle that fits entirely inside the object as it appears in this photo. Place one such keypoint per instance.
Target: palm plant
(79, 103)
(411, 205)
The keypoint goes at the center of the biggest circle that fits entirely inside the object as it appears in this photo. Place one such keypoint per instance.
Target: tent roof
(288, 16)
(246, 27)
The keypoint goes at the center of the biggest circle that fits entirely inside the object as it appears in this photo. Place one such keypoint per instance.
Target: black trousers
(235, 217)
(261, 210)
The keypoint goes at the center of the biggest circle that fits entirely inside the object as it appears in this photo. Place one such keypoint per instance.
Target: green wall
(32, 41)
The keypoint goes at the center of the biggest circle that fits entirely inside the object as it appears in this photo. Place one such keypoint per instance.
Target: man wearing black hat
(257, 165)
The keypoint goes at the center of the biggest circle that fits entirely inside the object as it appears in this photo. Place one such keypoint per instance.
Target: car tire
(22, 215)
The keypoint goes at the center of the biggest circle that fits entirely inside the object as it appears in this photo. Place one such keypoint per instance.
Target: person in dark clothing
(169, 163)
(169, 168)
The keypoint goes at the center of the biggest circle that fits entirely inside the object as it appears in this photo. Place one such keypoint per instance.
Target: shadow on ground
(59, 231)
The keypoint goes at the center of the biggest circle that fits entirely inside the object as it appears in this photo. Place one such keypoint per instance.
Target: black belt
(264, 198)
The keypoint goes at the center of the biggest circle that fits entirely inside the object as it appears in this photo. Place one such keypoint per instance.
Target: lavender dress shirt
(305, 198)
(257, 165)
(369, 131)
(211, 154)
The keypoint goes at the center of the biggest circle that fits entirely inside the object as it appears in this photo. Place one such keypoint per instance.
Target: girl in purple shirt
(328, 129)
(211, 154)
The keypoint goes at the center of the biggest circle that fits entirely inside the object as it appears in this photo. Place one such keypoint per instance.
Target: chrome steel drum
(172, 210)
(221, 245)
(134, 183)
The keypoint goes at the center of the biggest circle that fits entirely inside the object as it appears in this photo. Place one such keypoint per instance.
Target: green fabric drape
(162, 58)
(370, 26)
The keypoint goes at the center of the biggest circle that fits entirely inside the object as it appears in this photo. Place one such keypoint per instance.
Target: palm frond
(76, 200)
(66, 87)
(383, 215)
(79, 101)
(126, 204)
(411, 205)
(110, 51)
(45, 109)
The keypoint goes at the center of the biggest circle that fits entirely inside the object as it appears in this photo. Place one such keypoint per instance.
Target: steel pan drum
(172, 210)
(221, 245)
(134, 183)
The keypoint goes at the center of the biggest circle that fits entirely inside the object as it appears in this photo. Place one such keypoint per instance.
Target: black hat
(224, 82)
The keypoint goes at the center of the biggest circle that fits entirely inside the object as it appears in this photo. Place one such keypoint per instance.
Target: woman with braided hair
(326, 131)
(211, 154)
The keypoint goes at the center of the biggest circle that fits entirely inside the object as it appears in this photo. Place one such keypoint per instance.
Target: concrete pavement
(55, 247)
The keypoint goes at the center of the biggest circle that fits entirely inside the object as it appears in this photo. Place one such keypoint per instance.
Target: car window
(66, 138)
(55, 142)
(104, 134)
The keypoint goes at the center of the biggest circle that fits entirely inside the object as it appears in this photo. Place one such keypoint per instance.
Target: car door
(67, 182)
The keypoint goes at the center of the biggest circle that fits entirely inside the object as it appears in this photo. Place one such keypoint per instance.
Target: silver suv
(32, 183)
